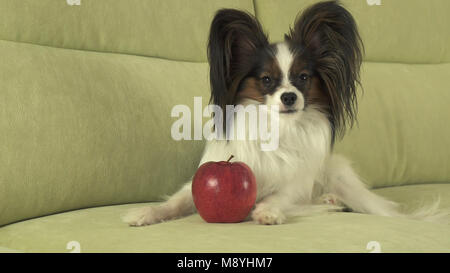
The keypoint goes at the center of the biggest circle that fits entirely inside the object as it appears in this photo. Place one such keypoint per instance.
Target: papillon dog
(313, 77)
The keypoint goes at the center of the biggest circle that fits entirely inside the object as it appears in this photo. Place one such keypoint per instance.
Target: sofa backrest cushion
(171, 29)
(403, 133)
(406, 31)
(81, 129)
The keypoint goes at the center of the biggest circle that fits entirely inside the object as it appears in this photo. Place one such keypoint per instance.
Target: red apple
(224, 192)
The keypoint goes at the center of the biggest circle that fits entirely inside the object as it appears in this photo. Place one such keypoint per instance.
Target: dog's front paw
(266, 215)
(143, 216)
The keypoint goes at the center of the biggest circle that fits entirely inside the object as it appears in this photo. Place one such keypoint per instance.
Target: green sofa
(86, 93)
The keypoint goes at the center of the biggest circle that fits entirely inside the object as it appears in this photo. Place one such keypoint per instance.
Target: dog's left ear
(235, 37)
(233, 40)
(328, 33)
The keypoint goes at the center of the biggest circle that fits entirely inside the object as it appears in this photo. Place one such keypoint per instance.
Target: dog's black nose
(288, 98)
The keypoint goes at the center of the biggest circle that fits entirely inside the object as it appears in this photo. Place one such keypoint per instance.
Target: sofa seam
(254, 8)
(105, 52)
(191, 61)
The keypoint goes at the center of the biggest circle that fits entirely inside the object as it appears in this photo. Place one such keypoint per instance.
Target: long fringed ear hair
(328, 32)
(235, 37)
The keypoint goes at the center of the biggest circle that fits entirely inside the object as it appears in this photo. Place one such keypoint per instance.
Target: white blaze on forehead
(284, 58)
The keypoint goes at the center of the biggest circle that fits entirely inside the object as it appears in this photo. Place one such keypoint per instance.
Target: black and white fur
(318, 67)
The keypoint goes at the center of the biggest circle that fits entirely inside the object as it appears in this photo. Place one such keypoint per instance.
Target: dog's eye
(266, 80)
(303, 77)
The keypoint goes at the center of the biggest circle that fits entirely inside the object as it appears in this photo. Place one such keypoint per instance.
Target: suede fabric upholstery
(86, 94)
(100, 230)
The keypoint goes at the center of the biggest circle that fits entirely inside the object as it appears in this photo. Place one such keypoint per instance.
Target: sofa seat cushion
(101, 230)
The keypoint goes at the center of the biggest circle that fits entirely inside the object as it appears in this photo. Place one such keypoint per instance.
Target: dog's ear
(328, 33)
(234, 38)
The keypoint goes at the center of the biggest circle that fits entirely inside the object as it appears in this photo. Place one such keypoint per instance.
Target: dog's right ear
(234, 38)
(329, 33)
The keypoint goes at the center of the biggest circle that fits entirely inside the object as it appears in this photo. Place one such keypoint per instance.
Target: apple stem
(230, 158)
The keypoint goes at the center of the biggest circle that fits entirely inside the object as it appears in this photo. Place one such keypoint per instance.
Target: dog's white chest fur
(303, 148)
